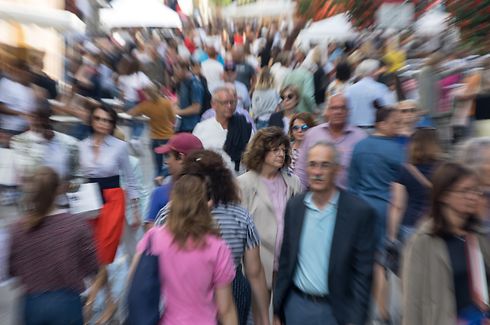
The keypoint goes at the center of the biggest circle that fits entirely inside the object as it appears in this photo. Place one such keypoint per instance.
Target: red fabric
(189, 44)
(108, 227)
(238, 39)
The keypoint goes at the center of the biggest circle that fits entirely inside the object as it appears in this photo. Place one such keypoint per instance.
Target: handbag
(145, 304)
(86, 201)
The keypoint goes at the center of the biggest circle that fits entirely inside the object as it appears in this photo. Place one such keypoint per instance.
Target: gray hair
(336, 94)
(367, 67)
(329, 145)
(219, 90)
(470, 153)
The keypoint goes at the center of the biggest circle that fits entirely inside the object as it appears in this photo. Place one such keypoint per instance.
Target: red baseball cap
(181, 142)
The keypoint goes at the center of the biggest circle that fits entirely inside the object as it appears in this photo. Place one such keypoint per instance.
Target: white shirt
(130, 84)
(212, 71)
(213, 137)
(112, 160)
(360, 97)
(19, 98)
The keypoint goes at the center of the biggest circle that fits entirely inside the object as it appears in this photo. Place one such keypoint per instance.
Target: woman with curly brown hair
(266, 188)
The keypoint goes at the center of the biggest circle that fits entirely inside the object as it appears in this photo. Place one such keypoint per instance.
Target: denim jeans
(61, 307)
(160, 168)
(301, 311)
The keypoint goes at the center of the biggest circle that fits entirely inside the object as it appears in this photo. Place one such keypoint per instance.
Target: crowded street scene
(244, 162)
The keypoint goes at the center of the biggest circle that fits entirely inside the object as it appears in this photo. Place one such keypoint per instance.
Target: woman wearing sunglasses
(289, 102)
(299, 124)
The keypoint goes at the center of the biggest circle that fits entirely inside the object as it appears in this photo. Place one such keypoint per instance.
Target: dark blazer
(276, 119)
(351, 257)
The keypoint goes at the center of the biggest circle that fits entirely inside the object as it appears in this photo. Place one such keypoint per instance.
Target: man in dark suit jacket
(325, 267)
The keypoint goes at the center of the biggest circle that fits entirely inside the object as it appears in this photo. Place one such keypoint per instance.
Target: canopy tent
(266, 8)
(61, 20)
(337, 27)
(141, 13)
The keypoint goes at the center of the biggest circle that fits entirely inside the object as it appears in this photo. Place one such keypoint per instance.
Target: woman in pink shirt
(196, 265)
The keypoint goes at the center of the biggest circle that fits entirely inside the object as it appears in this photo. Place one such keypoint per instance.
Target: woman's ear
(211, 203)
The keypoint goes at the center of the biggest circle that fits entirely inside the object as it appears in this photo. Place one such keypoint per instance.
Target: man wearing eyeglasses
(326, 261)
(337, 131)
(227, 133)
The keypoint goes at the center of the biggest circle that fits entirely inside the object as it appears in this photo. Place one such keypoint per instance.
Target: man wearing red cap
(177, 148)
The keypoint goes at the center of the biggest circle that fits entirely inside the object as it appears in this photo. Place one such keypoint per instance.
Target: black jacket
(276, 119)
(351, 257)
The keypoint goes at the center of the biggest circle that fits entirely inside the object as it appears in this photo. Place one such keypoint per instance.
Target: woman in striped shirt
(237, 229)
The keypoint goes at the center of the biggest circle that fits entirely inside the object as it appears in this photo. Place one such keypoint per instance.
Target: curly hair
(190, 218)
(221, 182)
(266, 140)
(305, 117)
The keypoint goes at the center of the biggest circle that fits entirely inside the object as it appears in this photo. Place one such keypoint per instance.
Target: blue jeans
(160, 168)
(61, 307)
(137, 127)
(301, 311)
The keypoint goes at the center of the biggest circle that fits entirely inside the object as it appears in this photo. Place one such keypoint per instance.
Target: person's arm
(226, 308)
(138, 109)
(7, 111)
(397, 209)
(362, 262)
(308, 93)
(353, 175)
(189, 110)
(255, 274)
(197, 93)
(300, 167)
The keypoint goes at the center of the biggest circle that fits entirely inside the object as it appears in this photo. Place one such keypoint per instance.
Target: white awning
(61, 20)
(140, 13)
(266, 8)
(337, 27)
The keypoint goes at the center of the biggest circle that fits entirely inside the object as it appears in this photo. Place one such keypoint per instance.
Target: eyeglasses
(288, 97)
(468, 191)
(103, 119)
(324, 165)
(303, 127)
(226, 102)
(408, 110)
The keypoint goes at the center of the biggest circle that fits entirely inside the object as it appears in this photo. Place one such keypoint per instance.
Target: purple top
(344, 144)
(59, 254)
(277, 190)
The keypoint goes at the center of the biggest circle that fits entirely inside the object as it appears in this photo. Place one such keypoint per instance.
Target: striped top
(236, 226)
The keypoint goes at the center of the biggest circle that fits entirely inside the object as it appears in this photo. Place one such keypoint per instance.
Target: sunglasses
(103, 119)
(288, 97)
(303, 127)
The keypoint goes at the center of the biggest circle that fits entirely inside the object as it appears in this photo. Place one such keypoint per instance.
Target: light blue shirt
(360, 97)
(314, 248)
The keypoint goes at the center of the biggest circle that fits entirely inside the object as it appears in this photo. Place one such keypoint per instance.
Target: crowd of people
(288, 187)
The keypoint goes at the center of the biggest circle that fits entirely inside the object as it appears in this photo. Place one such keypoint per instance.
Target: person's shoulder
(248, 178)
(66, 139)
(353, 202)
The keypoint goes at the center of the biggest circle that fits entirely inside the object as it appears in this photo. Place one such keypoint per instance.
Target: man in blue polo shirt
(177, 148)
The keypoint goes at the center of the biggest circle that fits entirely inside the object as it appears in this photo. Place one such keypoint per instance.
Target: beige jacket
(428, 285)
(255, 199)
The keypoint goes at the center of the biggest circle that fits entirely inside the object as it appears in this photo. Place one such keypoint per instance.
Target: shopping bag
(87, 201)
(7, 174)
(145, 304)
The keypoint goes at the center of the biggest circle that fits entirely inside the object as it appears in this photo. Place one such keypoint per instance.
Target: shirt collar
(347, 129)
(308, 200)
(106, 141)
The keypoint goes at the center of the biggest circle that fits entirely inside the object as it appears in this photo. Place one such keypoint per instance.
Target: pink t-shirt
(190, 277)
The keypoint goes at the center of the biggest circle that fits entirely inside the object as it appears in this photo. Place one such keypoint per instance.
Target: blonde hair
(266, 79)
(191, 219)
(40, 191)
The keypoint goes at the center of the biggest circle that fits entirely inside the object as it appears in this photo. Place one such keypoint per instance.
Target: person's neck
(223, 121)
(98, 138)
(297, 144)
(336, 130)
(322, 198)
(289, 112)
(268, 172)
(379, 133)
(456, 221)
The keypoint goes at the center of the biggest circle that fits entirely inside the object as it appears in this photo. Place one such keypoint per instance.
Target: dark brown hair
(265, 140)
(424, 147)
(190, 216)
(223, 189)
(305, 116)
(40, 191)
(444, 179)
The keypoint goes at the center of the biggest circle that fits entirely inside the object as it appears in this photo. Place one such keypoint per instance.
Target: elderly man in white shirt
(214, 132)
(361, 95)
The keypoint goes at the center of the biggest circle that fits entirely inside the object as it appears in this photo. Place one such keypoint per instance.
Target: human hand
(276, 321)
